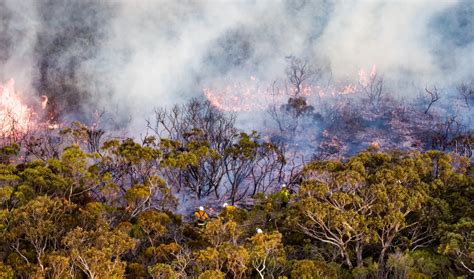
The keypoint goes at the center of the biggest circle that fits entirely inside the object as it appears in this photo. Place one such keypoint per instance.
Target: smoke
(404, 39)
(18, 28)
(127, 57)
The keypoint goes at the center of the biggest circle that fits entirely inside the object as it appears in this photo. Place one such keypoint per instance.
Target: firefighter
(231, 212)
(228, 208)
(284, 195)
(201, 217)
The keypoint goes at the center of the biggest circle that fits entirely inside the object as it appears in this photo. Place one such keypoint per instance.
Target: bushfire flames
(16, 117)
(250, 96)
(247, 97)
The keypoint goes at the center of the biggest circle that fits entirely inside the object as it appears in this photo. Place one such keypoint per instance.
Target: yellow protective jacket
(228, 212)
(285, 195)
(201, 217)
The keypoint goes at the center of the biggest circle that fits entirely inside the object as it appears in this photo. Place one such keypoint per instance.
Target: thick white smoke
(18, 31)
(400, 37)
(144, 54)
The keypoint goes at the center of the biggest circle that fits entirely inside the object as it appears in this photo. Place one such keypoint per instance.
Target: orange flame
(44, 101)
(364, 77)
(239, 97)
(248, 96)
(15, 117)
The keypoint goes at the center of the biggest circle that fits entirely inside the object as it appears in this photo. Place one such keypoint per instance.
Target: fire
(44, 101)
(251, 96)
(348, 89)
(364, 77)
(232, 99)
(239, 97)
(15, 116)
(248, 96)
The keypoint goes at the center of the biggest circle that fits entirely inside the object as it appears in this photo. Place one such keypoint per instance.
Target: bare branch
(466, 91)
(433, 96)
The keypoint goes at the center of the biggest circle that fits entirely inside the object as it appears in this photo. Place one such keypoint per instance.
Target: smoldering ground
(127, 57)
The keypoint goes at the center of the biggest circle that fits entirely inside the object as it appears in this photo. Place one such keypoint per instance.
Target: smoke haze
(127, 57)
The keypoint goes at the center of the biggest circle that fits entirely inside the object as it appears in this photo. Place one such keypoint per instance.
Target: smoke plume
(127, 57)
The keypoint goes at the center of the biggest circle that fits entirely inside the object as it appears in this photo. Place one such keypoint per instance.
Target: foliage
(114, 212)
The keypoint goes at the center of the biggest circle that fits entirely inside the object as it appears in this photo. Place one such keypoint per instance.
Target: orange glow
(246, 97)
(44, 101)
(364, 77)
(249, 96)
(15, 116)
(239, 97)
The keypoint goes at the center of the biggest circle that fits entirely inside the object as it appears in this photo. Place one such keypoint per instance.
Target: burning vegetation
(340, 119)
(303, 173)
(15, 116)
(340, 184)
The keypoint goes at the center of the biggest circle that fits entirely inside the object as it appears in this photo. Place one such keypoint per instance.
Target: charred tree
(433, 97)
(466, 92)
(290, 116)
(374, 90)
